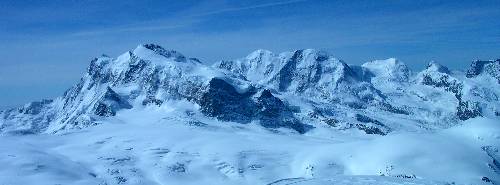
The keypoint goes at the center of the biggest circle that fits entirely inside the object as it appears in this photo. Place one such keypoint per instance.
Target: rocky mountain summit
(302, 90)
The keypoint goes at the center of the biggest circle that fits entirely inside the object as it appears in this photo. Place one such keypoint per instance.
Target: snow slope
(152, 146)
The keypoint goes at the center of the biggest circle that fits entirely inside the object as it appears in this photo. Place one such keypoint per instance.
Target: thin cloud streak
(190, 21)
(156, 25)
(128, 29)
(248, 8)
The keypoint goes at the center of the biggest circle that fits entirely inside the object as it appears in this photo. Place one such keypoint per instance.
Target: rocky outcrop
(490, 67)
(273, 113)
(468, 109)
(223, 101)
(373, 127)
(110, 103)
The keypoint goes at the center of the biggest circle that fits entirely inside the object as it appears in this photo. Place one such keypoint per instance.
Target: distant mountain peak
(390, 69)
(259, 53)
(489, 67)
(148, 49)
(434, 66)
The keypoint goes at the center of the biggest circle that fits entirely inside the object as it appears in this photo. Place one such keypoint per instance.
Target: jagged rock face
(490, 67)
(433, 66)
(110, 103)
(300, 90)
(274, 113)
(178, 57)
(467, 110)
(374, 127)
(223, 101)
(438, 76)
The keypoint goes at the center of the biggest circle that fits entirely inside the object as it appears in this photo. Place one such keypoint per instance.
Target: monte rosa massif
(155, 116)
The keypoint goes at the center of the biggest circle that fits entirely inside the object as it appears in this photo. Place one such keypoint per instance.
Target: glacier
(155, 116)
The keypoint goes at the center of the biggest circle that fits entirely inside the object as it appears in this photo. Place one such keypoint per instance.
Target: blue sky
(45, 46)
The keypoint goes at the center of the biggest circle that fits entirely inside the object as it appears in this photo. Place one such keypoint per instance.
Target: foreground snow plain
(166, 146)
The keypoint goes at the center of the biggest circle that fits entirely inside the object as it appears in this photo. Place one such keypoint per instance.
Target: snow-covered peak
(256, 66)
(311, 57)
(489, 67)
(437, 75)
(433, 72)
(260, 53)
(153, 51)
(436, 67)
(390, 69)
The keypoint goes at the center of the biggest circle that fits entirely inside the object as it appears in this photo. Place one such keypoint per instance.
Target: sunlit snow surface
(175, 144)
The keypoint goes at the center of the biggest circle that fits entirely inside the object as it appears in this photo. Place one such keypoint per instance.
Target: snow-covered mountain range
(305, 94)
(302, 90)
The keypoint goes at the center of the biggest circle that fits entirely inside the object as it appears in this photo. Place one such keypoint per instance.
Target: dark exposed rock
(490, 67)
(166, 53)
(102, 109)
(366, 119)
(225, 64)
(370, 129)
(405, 176)
(195, 60)
(397, 110)
(178, 168)
(437, 67)
(151, 100)
(476, 68)
(467, 110)
(120, 179)
(223, 102)
(445, 82)
(287, 72)
(494, 154)
(273, 113)
(486, 179)
(331, 122)
(135, 69)
(110, 103)
(96, 73)
(377, 128)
